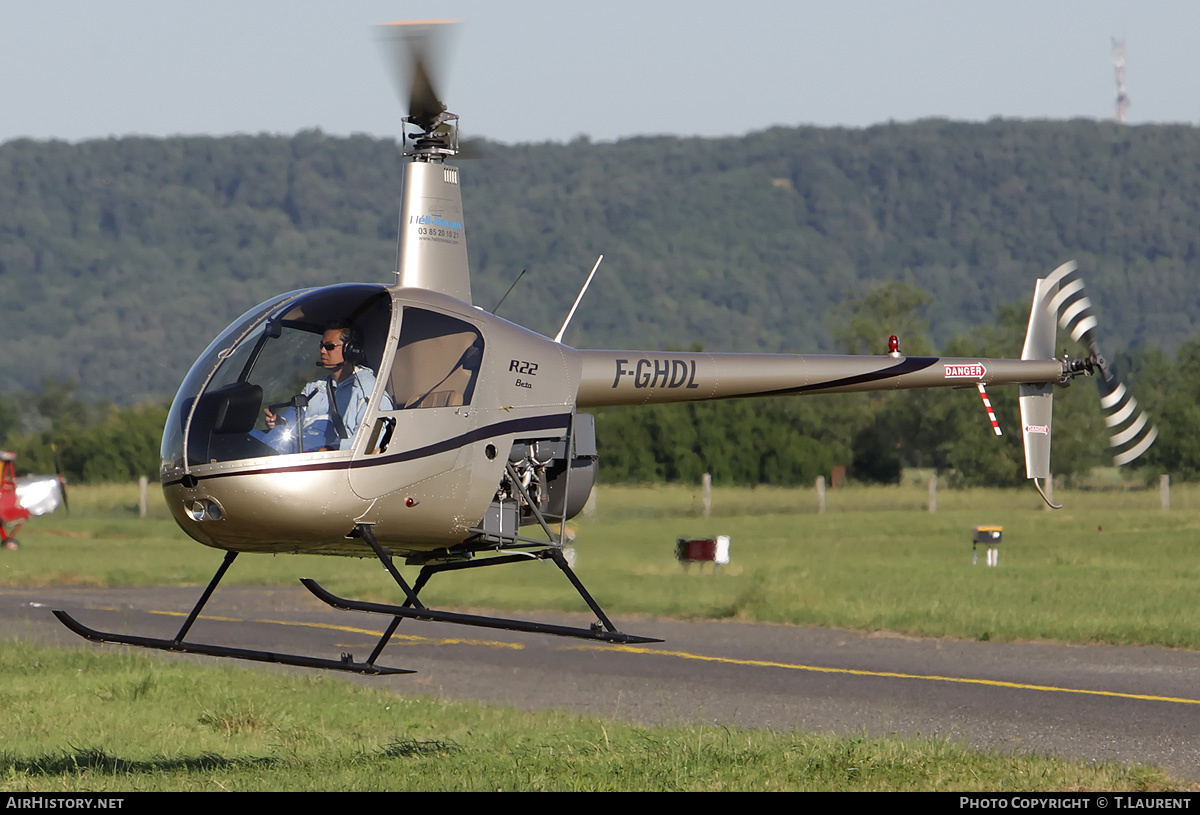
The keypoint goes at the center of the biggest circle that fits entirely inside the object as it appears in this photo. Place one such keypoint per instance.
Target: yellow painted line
(408, 638)
(997, 683)
(201, 617)
(757, 663)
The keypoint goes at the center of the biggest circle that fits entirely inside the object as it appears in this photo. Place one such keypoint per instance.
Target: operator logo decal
(657, 373)
(436, 228)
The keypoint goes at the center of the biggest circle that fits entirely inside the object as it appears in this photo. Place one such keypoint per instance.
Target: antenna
(510, 288)
(1118, 61)
(558, 337)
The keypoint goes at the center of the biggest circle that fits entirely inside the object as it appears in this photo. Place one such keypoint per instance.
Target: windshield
(294, 375)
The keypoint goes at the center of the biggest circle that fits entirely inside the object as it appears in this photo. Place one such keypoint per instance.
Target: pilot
(350, 382)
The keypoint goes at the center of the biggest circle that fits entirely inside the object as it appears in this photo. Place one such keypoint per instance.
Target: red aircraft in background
(22, 498)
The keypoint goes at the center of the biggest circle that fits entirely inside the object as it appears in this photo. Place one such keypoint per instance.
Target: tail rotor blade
(1131, 432)
(1071, 303)
(1129, 425)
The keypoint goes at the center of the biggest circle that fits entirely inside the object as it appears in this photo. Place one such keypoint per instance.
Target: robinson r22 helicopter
(467, 430)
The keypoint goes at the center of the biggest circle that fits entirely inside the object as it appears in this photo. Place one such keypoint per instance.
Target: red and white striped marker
(987, 403)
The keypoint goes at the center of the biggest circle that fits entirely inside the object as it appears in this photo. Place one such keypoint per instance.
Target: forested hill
(121, 259)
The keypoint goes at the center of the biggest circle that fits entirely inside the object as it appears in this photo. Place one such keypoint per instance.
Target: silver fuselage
(455, 390)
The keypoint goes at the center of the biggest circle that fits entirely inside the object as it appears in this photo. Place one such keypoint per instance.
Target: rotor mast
(431, 243)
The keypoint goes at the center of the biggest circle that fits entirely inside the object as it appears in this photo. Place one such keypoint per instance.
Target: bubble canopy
(268, 360)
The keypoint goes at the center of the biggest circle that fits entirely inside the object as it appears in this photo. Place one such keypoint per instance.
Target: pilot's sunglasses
(329, 346)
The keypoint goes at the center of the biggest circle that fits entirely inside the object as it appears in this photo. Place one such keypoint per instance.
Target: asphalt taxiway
(1092, 703)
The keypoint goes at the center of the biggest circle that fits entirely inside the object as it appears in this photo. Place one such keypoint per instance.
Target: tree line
(742, 244)
(783, 440)
(89, 441)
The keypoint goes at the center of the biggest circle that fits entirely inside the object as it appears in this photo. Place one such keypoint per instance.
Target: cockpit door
(430, 385)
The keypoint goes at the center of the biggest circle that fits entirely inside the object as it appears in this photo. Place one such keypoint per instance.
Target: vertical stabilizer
(1037, 410)
(431, 250)
(1037, 401)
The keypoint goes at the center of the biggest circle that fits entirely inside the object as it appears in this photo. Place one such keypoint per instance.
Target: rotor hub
(436, 142)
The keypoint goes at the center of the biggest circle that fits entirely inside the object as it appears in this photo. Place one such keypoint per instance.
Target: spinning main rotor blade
(1130, 430)
(413, 48)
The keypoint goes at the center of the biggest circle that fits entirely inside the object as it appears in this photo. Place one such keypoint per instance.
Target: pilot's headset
(352, 342)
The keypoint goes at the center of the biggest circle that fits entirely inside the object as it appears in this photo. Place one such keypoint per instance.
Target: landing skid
(346, 663)
(602, 630)
(178, 645)
(414, 609)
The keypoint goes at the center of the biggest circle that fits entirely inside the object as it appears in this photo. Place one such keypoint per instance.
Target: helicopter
(441, 434)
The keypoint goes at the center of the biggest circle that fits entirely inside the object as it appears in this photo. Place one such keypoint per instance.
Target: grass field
(1110, 567)
(91, 720)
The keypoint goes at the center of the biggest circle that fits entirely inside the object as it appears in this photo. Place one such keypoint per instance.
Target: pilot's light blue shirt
(351, 397)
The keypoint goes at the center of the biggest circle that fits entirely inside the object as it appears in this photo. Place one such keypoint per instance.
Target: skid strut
(178, 645)
(414, 609)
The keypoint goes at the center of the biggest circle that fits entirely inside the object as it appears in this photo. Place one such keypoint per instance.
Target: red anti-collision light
(893, 344)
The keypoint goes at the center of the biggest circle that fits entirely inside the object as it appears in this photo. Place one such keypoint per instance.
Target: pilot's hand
(271, 418)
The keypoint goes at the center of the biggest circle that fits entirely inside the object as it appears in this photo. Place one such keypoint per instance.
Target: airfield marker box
(991, 536)
(703, 550)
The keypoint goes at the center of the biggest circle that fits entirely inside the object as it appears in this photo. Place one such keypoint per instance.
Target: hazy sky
(528, 70)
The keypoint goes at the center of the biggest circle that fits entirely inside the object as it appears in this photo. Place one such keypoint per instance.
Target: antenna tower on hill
(1118, 61)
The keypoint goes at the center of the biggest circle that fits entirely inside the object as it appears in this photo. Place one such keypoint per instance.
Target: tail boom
(643, 377)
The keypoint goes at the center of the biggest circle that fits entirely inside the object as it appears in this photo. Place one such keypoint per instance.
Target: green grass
(1111, 567)
(1102, 570)
(90, 720)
